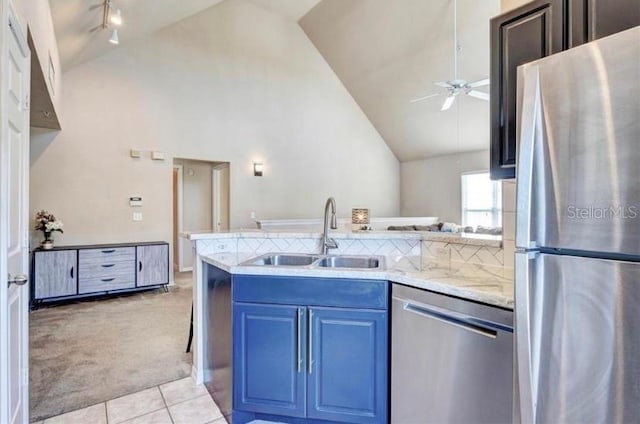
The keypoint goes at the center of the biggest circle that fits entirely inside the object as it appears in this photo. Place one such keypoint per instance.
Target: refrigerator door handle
(529, 128)
(523, 336)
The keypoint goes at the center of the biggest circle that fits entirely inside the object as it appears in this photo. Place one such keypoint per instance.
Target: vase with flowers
(47, 223)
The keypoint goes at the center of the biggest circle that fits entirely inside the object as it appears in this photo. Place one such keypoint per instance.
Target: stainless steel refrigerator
(578, 235)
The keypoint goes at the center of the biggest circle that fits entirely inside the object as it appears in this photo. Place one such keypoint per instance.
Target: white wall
(506, 5)
(432, 187)
(235, 83)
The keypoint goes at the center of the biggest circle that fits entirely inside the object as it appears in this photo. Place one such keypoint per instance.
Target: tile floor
(178, 402)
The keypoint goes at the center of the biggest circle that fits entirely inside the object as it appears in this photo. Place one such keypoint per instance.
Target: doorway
(200, 204)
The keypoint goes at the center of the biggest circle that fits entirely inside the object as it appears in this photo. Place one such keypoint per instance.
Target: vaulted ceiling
(389, 52)
(78, 23)
(385, 53)
(81, 37)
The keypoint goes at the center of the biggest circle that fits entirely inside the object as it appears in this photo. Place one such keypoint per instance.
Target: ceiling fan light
(114, 37)
(116, 18)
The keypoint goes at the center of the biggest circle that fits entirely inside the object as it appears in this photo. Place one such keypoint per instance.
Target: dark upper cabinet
(525, 34)
(589, 20)
(533, 31)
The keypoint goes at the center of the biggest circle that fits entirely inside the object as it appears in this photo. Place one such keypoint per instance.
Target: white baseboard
(194, 375)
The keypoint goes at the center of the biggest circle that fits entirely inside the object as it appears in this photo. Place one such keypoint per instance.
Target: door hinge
(26, 102)
(25, 376)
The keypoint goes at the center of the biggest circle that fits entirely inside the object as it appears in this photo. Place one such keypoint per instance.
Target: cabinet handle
(310, 326)
(109, 251)
(300, 316)
(139, 266)
(107, 265)
(108, 279)
(71, 272)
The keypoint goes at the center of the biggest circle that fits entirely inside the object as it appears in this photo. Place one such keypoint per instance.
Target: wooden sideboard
(68, 272)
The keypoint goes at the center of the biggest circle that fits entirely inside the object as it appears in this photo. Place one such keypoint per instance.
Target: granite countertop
(463, 238)
(485, 284)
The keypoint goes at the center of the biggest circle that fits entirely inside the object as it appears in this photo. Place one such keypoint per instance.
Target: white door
(14, 173)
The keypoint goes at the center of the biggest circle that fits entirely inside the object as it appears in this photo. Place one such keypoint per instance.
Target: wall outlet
(137, 216)
(253, 215)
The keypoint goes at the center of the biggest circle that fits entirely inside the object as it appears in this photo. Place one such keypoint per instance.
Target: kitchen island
(413, 260)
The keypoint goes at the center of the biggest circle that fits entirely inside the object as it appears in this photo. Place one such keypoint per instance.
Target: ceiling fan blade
(448, 102)
(419, 99)
(479, 95)
(479, 83)
(443, 84)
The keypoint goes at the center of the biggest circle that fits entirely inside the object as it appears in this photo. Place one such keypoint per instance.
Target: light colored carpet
(89, 352)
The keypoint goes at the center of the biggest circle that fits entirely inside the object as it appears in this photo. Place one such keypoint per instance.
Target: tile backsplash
(509, 222)
(443, 254)
(409, 253)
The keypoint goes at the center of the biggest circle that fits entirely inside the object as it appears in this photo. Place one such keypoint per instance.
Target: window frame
(495, 211)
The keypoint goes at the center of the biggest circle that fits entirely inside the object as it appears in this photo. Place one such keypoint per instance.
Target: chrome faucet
(329, 243)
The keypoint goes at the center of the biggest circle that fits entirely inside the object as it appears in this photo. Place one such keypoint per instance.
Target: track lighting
(111, 18)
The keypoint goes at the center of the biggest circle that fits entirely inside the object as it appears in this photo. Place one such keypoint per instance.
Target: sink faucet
(329, 243)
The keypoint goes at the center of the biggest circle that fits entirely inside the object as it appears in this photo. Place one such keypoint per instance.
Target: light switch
(156, 155)
(137, 216)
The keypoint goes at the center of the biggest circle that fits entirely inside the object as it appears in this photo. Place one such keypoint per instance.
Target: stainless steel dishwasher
(451, 360)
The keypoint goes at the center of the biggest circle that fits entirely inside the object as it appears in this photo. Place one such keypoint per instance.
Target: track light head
(114, 37)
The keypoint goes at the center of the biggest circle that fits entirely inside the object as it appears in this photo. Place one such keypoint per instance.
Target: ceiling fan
(456, 85)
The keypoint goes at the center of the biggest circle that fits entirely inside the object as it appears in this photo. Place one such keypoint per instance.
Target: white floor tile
(134, 405)
(95, 414)
(157, 417)
(181, 390)
(200, 410)
(221, 420)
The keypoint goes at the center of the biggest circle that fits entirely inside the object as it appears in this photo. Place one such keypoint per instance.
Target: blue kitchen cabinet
(310, 350)
(348, 377)
(268, 374)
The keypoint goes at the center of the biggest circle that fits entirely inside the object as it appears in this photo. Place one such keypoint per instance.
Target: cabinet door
(348, 365)
(527, 33)
(55, 273)
(268, 359)
(593, 19)
(152, 265)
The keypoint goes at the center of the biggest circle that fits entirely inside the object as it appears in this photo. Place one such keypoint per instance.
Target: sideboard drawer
(107, 254)
(106, 283)
(106, 269)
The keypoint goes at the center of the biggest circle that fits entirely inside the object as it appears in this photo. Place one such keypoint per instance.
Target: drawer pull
(71, 272)
(107, 265)
(109, 251)
(140, 266)
(108, 279)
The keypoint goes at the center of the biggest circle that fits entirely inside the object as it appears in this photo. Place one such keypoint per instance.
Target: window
(481, 200)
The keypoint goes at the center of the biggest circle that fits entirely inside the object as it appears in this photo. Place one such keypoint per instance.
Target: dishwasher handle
(451, 318)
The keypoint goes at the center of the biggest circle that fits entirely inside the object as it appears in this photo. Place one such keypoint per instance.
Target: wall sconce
(257, 169)
(360, 216)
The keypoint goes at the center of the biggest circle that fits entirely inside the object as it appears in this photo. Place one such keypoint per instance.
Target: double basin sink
(318, 261)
